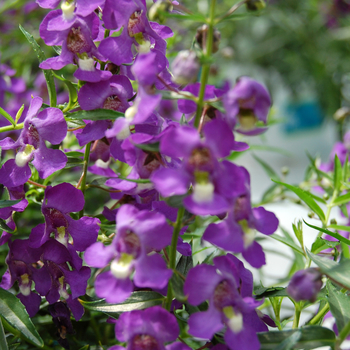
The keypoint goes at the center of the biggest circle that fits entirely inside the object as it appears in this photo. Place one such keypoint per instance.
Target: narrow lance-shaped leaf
(330, 233)
(13, 311)
(269, 171)
(339, 306)
(8, 203)
(47, 72)
(3, 342)
(96, 114)
(342, 199)
(137, 301)
(7, 116)
(289, 342)
(306, 198)
(72, 91)
(311, 337)
(337, 272)
(287, 242)
(337, 174)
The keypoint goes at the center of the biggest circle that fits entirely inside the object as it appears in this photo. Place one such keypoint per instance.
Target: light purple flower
(247, 103)
(138, 234)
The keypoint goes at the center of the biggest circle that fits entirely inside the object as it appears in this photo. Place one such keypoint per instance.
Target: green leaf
(269, 171)
(3, 226)
(322, 244)
(138, 181)
(184, 265)
(340, 227)
(341, 200)
(333, 234)
(137, 301)
(337, 174)
(74, 154)
(96, 114)
(148, 147)
(7, 203)
(7, 116)
(289, 342)
(47, 72)
(13, 311)
(177, 284)
(311, 337)
(339, 306)
(3, 342)
(287, 242)
(263, 292)
(337, 272)
(306, 198)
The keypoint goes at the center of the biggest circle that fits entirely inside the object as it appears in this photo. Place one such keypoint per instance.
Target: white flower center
(22, 158)
(203, 192)
(122, 268)
(235, 319)
(101, 164)
(24, 287)
(86, 64)
(61, 237)
(68, 10)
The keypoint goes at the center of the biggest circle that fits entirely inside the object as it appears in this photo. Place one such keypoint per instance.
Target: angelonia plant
(131, 174)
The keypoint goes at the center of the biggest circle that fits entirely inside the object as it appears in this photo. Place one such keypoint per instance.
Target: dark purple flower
(305, 285)
(185, 67)
(138, 234)
(58, 202)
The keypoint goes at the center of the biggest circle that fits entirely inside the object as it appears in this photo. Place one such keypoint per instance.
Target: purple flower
(47, 125)
(138, 234)
(137, 30)
(146, 329)
(213, 183)
(247, 103)
(228, 287)
(185, 68)
(58, 202)
(305, 285)
(237, 232)
(75, 35)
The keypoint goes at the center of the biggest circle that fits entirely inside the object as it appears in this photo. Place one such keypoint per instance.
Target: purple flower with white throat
(58, 202)
(139, 234)
(228, 287)
(247, 103)
(47, 125)
(237, 232)
(214, 183)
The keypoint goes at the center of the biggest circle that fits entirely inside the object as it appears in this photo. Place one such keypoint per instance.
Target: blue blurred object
(303, 115)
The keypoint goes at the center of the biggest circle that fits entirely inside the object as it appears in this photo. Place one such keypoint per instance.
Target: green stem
(172, 253)
(11, 127)
(297, 313)
(206, 66)
(83, 177)
(343, 334)
(319, 316)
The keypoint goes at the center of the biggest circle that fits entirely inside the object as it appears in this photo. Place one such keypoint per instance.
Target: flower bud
(255, 5)
(155, 13)
(305, 284)
(341, 114)
(202, 34)
(185, 67)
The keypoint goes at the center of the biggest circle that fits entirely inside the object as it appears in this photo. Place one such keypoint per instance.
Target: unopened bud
(255, 5)
(341, 114)
(310, 214)
(156, 11)
(201, 38)
(185, 67)
(285, 171)
(325, 196)
(333, 222)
